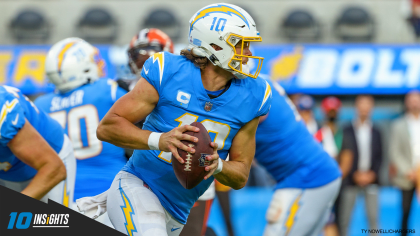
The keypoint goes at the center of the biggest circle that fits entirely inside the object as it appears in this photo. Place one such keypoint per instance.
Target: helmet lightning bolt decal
(218, 9)
(161, 62)
(63, 53)
(128, 213)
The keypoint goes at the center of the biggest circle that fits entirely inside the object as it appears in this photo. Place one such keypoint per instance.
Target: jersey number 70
(75, 118)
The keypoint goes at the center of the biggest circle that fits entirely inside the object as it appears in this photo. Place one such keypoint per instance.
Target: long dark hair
(200, 62)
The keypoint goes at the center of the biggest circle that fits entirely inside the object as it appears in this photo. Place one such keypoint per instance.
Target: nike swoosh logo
(16, 120)
(146, 71)
(173, 229)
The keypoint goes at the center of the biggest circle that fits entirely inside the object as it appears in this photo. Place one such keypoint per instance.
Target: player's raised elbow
(62, 172)
(58, 170)
(101, 132)
(240, 184)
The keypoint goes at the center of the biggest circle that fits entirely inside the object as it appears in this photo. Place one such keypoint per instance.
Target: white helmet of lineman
(73, 62)
(224, 25)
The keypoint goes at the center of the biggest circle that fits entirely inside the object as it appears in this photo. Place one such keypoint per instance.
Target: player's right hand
(170, 141)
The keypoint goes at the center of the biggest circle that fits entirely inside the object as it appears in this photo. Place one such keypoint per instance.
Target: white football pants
(301, 212)
(136, 211)
(64, 191)
(104, 218)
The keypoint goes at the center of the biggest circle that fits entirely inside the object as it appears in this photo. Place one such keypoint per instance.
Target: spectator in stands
(405, 152)
(305, 104)
(363, 140)
(330, 135)
(413, 16)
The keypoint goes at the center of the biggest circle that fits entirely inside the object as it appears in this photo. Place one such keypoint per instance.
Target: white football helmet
(224, 25)
(73, 62)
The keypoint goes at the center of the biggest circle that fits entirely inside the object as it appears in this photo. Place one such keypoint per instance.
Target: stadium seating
(164, 20)
(355, 24)
(29, 27)
(97, 26)
(301, 26)
(132, 15)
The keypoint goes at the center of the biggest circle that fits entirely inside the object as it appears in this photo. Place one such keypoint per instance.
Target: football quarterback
(209, 83)
(143, 45)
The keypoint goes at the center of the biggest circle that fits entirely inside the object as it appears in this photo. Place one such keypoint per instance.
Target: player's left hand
(213, 159)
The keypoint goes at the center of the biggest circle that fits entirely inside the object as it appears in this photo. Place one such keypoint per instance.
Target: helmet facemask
(216, 54)
(137, 56)
(235, 63)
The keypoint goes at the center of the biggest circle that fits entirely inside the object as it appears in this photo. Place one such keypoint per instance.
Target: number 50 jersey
(183, 100)
(79, 112)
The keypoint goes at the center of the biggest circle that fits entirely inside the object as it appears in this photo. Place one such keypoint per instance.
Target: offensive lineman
(208, 83)
(36, 157)
(308, 179)
(81, 100)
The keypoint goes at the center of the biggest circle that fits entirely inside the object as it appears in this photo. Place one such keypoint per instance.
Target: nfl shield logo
(202, 160)
(208, 106)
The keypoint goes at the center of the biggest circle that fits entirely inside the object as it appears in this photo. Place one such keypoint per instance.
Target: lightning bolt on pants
(301, 212)
(136, 211)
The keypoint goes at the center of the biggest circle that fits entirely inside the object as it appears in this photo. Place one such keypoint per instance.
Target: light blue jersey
(288, 151)
(183, 100)
(16, 110)
(79, 112)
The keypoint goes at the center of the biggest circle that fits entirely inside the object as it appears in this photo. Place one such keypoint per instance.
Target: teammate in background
(36, 157)
(308, 179)
(305, 104)
(208, 83)
(81, 100)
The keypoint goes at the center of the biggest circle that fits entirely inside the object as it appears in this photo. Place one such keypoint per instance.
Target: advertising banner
(310, 68)
(343, 69)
